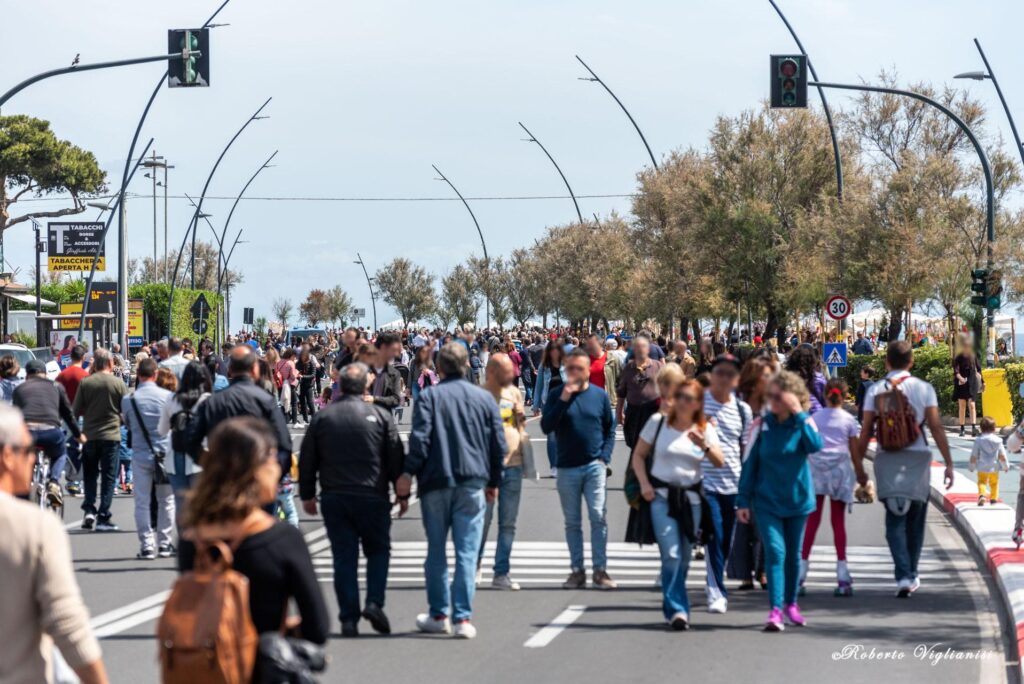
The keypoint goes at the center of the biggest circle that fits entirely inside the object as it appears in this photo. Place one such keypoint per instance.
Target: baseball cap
(726, 358)
(35, 366)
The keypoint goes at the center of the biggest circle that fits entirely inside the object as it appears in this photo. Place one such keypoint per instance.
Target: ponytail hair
(835, 392)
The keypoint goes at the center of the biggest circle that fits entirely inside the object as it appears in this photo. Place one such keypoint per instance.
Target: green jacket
(98, 402)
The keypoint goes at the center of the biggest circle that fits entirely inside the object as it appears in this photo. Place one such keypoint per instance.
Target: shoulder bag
(160, 474)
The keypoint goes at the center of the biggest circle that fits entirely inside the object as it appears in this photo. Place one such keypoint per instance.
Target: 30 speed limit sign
(838, 307)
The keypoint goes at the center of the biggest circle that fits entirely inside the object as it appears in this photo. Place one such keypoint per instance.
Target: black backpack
(180, 423)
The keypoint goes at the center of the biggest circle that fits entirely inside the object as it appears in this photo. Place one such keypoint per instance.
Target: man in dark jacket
(354, 448)
(456, 450)
(242, 397)
(44, 405)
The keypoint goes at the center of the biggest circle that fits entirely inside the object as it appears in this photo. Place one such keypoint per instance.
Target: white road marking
(548, 633)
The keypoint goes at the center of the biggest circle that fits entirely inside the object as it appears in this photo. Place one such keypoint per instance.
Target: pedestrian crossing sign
(835, 354)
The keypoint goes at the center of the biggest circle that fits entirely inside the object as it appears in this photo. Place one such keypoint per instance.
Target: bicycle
(40, 480)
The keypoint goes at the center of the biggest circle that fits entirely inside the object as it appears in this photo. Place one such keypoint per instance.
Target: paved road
(614, 636)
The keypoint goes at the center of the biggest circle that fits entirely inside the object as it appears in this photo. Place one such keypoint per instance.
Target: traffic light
(789, 80)
(979, 285)
(190, 67)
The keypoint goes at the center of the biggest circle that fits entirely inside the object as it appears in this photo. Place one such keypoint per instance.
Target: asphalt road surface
(951, 630)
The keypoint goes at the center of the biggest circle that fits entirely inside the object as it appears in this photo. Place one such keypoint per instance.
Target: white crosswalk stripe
(540, 563)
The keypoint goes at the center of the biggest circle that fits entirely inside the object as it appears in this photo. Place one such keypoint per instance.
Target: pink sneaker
(775, 622)
(793, 615)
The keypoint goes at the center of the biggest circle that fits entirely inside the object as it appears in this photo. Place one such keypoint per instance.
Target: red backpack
(896, 426)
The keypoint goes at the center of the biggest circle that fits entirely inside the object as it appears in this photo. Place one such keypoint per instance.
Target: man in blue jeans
(904, 529)
(500, 374)
(580, 414)
(456, 450)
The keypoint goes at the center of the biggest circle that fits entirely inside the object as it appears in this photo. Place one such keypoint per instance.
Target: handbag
(160, 472)
(631, 485)
(287, 660)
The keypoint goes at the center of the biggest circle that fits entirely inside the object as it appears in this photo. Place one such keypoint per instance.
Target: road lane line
(130, 621)
(548, 633)
(119, 613)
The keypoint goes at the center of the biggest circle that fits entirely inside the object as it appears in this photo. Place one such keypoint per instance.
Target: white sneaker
(554, 472)
(719, 605)
(464, 630)
(429, 624)
(479, 579)
(505, 583)
(915, 584)
(903, 588)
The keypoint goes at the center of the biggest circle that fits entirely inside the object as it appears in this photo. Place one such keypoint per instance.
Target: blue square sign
(835, 354)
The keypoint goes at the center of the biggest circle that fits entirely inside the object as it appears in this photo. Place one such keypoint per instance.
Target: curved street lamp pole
(487, 260)
(224, 233)
(988, 73)
(123, 295)
(565, 180)
(195, 217)
(824, 103)
(597, 79)
(369, 284)
(227, 298)
(990, 224)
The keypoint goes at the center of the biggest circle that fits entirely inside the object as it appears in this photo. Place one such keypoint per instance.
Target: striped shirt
(730, 424)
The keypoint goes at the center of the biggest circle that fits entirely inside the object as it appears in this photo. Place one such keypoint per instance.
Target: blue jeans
(574, 486)
(285, 502)
(675, 551)
(51, 441)
(552, 451)
(528, 382)
(459, 509)
(905, 534)
(782, 538)
(99, 459)
(351, 521)
(509, 493)
(723, 518)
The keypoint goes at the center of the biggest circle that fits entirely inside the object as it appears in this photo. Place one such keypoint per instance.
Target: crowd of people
(733, 454)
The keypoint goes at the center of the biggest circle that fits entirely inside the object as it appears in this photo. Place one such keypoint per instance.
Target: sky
(367, 95)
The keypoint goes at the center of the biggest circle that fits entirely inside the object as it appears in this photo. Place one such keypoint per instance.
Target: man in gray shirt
(141, 411)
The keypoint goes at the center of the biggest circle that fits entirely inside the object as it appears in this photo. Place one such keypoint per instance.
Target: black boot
(961, 430)
(974, 431)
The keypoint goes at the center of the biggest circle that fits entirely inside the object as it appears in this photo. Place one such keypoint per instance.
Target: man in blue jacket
(456, 450)
(580, 415)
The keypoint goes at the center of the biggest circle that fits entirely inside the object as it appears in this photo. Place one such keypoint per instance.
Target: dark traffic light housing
(191, 67)
(988, 286)
(789, 81)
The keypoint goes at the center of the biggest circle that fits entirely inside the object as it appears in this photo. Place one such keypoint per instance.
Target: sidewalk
(960, 449)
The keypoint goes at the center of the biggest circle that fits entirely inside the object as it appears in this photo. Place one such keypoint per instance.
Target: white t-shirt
(920, 395)
(677, 460)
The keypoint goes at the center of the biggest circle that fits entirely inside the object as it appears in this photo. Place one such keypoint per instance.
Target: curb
(987, 530)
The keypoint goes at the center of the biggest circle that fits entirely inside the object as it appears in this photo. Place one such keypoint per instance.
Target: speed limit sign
(838, 307)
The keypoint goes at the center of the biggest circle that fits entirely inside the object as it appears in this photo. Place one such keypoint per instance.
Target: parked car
(23, 355)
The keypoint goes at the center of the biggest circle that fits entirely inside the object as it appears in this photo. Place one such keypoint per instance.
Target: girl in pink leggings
(832, 472)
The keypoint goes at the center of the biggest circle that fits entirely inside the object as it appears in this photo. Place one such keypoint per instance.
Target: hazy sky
(367, 95)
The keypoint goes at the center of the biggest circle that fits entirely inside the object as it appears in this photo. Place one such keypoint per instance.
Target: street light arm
(991, 74)
(623, 108)
(85, 67)
(231, 213)
(369, 284)
(565, 180)
(824, 103)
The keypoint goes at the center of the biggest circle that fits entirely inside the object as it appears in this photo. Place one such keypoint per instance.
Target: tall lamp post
(369, 284)
(989, 74)
(487, 260)
(597, 79)
(153, 163)
(985, 167)
(565, 180)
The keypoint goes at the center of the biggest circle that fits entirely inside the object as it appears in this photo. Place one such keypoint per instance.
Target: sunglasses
(24, 449)
(683, 396)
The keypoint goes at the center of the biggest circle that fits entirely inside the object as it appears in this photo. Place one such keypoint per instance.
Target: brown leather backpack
(896, 425)
(206, 633)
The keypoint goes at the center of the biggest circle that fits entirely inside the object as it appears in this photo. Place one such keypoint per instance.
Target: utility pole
(39, 305)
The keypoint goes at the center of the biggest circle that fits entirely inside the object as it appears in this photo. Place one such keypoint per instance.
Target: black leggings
(305, 399)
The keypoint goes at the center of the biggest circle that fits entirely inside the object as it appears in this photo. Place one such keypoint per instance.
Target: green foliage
(23, 338)
(259, 327)
(35, 161)
(930, 363)
(1014, 378)
(155, 297)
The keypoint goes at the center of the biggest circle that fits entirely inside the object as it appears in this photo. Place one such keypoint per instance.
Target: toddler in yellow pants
(988, 456)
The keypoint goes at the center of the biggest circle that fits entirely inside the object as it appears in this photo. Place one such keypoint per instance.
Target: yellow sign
(72, 323)
(74, 263)
(135, 322)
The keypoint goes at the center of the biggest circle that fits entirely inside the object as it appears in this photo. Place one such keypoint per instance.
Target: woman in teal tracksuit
(776, 483)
